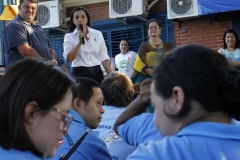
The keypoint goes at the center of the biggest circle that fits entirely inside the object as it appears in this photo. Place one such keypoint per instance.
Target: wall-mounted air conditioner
(51, 14)
(178, 9)
(127, 8)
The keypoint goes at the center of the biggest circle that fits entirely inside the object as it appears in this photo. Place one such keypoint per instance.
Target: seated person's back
(117, 90)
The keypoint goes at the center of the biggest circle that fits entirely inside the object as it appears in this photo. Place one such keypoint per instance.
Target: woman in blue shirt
(231, 47)
(196, 99)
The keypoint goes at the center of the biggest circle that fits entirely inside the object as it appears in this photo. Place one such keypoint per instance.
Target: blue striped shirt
(19, 32)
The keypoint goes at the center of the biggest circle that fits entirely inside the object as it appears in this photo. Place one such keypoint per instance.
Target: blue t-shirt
(139, 129)
(19, 32)
(118, 148)
(14, 154)
(92, 147)
(197, 141)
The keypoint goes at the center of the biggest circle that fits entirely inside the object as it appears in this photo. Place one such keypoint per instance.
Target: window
(133, 36)
(114, 34)
(56, 39)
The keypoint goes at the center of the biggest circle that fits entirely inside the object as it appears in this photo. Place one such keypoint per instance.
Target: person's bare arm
(54, 59)
(53, 53)
(107, 66)
(138, 106)
(26, 51)
(55, 56)
(234, 64)
(65, 68)
(73, 53)
(220, 51)
(149, 71)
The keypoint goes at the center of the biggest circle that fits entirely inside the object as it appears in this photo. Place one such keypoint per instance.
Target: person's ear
(76, 104)
(176, 101)
(29, 110)
(133, 92)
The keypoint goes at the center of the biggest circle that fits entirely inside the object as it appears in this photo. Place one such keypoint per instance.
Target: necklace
(154, 42)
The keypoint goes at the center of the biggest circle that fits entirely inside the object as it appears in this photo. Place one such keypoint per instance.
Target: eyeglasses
(68, 118)
(153, 27)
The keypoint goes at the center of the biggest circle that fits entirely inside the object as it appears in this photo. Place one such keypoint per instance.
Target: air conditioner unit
(51, 14)
(127, 8)
(178, 9)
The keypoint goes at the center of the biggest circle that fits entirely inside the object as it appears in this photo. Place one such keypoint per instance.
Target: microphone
(81, 28)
